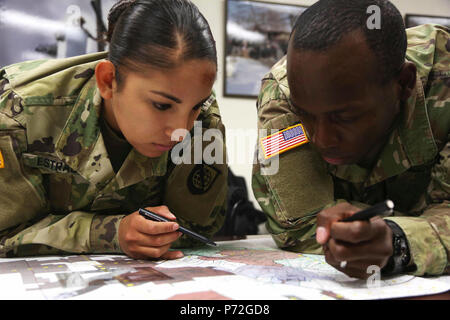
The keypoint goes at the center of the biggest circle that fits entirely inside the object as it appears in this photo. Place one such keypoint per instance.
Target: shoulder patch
(202, 178)
(283, 141)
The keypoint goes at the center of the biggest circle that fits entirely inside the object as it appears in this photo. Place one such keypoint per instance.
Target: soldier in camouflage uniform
(70, 181)
(313, 189)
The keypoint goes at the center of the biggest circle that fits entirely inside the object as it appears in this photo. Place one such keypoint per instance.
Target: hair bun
(114, 14)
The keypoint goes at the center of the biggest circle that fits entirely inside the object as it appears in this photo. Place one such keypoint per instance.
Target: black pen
(380, 209)
(155, 217)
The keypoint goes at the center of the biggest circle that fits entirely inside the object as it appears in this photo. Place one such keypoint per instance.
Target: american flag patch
(283, 140)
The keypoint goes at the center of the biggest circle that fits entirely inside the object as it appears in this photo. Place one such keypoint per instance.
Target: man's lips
(337, 160)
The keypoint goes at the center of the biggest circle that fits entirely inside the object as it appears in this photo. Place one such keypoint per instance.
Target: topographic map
(245, 269)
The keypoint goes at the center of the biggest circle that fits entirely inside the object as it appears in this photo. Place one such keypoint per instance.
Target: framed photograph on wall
(256, 37)
(49, 29)
(412, 20)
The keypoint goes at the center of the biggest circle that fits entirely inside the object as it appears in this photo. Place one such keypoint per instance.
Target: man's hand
(360, 243)
(141, 238)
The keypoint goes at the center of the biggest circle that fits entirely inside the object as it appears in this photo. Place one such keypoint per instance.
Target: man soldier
(374, 107)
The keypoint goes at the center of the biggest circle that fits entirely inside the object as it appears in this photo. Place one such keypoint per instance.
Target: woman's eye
(161, 106)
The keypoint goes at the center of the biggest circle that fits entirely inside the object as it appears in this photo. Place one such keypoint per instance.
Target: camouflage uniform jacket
(58, 190)
(413, 169)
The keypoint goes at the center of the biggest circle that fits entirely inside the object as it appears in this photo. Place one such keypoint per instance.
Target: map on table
(245, 269)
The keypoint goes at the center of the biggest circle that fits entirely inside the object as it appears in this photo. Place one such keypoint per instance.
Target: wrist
(104, 234)
(400, 259)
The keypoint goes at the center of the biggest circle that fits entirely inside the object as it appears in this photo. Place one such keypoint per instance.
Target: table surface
(254, 263)
(441, 296)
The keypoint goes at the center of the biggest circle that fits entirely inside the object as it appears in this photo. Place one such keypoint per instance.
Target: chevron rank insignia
(283, 141)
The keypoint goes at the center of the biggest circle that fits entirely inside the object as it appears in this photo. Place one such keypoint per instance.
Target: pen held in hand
(155, 217)
(380, 209)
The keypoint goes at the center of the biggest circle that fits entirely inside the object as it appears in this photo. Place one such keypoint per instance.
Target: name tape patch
(283, 141)
(48, 164)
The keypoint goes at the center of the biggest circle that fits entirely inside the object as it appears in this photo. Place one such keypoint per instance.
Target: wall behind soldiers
(240, 114)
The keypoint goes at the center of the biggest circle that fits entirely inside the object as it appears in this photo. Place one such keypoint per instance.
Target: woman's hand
(141, 238)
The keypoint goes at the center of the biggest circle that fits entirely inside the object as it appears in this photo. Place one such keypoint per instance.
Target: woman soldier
(85, 141)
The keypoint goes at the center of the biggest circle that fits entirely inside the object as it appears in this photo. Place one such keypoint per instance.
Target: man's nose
(324, 134)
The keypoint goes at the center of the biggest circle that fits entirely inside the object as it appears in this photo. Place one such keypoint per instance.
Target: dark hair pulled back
(158, 33)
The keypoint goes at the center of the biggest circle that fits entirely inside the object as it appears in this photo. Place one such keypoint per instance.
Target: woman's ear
(407, 80)
(105, 76)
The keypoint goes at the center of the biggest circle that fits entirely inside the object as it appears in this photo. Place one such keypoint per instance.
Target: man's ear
(407, 80)
(105, 76)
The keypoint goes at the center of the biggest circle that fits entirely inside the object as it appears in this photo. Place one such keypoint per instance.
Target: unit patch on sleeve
(283, 141)
(202, 178)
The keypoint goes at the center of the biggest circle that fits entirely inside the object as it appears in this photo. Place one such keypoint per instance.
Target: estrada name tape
(283, 141)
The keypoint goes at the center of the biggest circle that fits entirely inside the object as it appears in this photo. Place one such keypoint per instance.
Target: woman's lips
(163, 147)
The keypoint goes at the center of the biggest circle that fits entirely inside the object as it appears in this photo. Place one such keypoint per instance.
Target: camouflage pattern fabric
(58, 190)
(413, 170)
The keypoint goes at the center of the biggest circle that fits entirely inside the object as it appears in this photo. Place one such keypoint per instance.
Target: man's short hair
(323, 24)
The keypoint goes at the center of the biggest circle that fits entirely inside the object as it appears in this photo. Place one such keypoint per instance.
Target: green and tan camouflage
(58, 190)
(413, 169)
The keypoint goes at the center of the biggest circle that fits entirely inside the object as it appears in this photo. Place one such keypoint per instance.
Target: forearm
(428, 235)
(428, 239)
(77, 232)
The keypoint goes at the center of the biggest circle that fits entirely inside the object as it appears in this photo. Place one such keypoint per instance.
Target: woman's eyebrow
(168, 96)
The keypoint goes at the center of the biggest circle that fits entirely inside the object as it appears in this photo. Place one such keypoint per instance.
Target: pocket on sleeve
(20, 200)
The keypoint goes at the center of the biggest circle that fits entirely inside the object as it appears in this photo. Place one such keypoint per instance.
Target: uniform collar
(279, 73)
(410, 144)
(82, 147)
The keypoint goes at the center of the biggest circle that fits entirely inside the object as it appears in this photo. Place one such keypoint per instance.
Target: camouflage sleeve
(291, 212)
(27, 227)
(429, 234)
(196, 189)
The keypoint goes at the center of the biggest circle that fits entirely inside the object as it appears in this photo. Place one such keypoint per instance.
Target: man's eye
(303, 114)
(344, 118)
(197, 106)
(161, 106)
